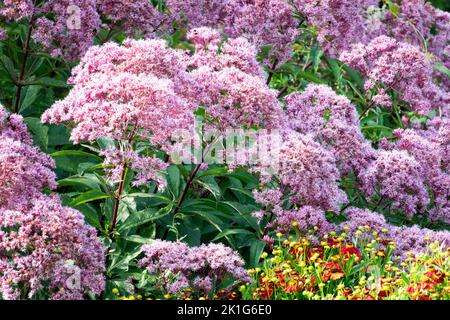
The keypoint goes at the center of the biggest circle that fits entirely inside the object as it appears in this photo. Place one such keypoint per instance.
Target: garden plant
(224, 150)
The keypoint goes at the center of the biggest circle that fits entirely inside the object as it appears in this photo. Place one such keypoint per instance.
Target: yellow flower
(115, 291)
(295, 224)
(167, 296)
(279, 234)
(264, 255)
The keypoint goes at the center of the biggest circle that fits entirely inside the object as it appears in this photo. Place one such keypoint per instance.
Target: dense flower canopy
(40, 240)
(159, 148)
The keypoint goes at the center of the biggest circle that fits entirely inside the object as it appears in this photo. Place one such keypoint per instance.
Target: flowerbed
(239, 149)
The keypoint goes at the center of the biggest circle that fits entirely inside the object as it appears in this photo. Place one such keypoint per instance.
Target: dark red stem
(183, 195)
(22, 69)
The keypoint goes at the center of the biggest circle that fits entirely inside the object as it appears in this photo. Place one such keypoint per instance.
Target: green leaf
(77, 153)
(31, 94)
(122, 262)
(47, 82)
(174, 180)
(141, 217)
(245, 212)
(138, 239)
(89, 196)
(256, 250)
(8, 65)
(441, 68)
(211, 218)
(231, 232)
(90, 215)
(106, 143)
(211, 185)
(58, 135)
(39, 131)
(79, 181)
(150, 195)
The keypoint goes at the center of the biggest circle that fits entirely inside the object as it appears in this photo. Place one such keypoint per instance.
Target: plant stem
(266, 227)
(116, 206)
(370, 105)
(183, 195)
(186, 188)
(22, 69)
(271, 72)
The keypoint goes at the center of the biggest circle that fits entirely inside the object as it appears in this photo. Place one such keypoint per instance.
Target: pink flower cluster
(420, 24)
(147, 168)
(44, 246)
(407, 239)
(389, 65)
(132, 16)
(310, 173)
(138, 89)
(49, 242)
(408, 173)
(338, 23)
(67, 28)
(398, 177)
(14, 10)
(402, 172)
(24, 170)
(201, 268)
(332, 120)
(145, 89)
(63, 27)
(265, 23)
(432, 154)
